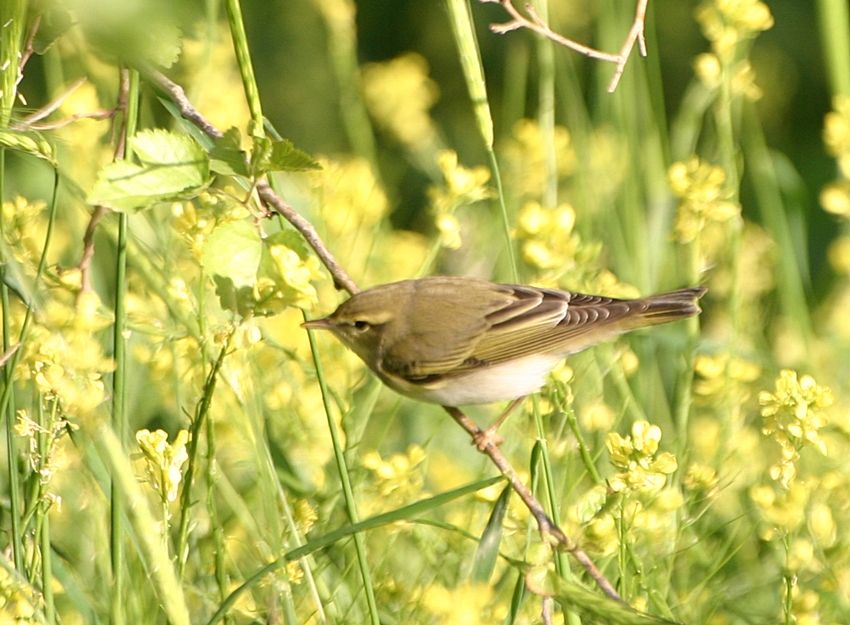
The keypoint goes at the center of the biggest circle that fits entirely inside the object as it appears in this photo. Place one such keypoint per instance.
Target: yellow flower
(449, 229)
(725, 23)
(839, 254)
(397, 478)
(704, 197)
(783, 510)
(700, 479)
(793, 413)
(597, 417)
(640, 467)
(163, 460)
(399, 95)
(466, 604)
(835, 198)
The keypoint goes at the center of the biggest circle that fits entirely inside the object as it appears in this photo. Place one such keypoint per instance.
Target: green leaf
(172, 167)
(30, 143)
(590, 605)
(227, 157)
(491, 538)
(138, 32)
(233, 251)
(280, 155)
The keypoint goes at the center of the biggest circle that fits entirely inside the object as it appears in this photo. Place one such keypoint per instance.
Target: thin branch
(636, 33)
(100, 211)
(535, 23)
(187, 110)
(271, 199)
(546, 525)
(268, 196)
(9, 353)
(28, 48)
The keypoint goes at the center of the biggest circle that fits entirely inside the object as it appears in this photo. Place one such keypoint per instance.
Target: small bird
(457, 341)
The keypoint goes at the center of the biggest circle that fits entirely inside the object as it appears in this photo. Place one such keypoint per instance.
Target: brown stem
(536, 24)
(100, 211)
(547, 527)
(341, 278)
(268, 196)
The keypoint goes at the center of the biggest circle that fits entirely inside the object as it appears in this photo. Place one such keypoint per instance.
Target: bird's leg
(489, 435)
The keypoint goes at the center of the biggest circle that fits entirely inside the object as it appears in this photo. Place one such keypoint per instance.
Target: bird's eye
(361, 325)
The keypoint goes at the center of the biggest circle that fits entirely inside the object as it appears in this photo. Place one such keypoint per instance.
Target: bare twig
(88, 247)
(271, 199)
(9, 353)
(636, 33)
(187, 110)
(545, 524)
(100, 211)
(341, 278)
(28, 48)
(535, 23)
(31, 121)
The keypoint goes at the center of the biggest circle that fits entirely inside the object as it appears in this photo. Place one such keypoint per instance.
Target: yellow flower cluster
(22, 229)
(63, 355)
(793, 414)
(726, 24)
(287, 279)
(546, 236)
(640, 466)
(16, 606)
(466, 604)
(704, 197)
(525, 157)
(462, 186)
(194, 221)
(163, 460)
(399, 94)
(352, 206)
(395, 479)
(835, 197)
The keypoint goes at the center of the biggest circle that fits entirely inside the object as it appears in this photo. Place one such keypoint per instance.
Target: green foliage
(703, 466)
(171, 167)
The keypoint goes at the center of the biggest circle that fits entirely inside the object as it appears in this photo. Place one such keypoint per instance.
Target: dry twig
(535, 23)
(100, 211)
(547, 527)
(268, 196)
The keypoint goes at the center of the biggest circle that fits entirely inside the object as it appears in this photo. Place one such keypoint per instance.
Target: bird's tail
(665, 307)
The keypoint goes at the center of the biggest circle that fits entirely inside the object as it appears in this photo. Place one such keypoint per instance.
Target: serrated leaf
(28, 142)
(280, 155)
(162, 147)
(227, 157)
(488, 547)
(233, 251)
(172, 167)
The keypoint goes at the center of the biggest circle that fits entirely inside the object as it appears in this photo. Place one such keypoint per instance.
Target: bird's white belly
(491, 384)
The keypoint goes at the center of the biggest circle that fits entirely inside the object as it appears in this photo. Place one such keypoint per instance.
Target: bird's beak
(318, 324)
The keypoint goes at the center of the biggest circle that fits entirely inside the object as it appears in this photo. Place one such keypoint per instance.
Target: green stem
(198, 423)
(345, 479)
(473, 73)
(246, 69)
(834, 27)
(7, 406)
(119, 378)
(10, 408)
(44, 442)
